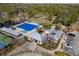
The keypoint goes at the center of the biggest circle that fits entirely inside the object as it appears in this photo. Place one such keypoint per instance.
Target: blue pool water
(27, 27)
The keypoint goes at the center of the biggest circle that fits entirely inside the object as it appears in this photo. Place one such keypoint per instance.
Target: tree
(48, 38)
(58, 26)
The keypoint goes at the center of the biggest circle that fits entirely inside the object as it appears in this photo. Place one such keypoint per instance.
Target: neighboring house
(55, 34)
(71, 45)
(10, 32)
(19, 20)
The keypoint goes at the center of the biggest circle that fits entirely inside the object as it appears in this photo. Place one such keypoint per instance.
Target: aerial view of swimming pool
(27, 26)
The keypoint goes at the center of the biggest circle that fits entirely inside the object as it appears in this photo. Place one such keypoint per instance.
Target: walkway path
(60, 44)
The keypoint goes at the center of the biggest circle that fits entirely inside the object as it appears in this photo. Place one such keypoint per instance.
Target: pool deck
(24, 32)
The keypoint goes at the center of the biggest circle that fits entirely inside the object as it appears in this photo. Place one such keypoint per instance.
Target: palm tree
(48, 38)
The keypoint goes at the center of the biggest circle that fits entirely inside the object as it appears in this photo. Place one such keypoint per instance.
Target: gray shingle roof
(10, 31)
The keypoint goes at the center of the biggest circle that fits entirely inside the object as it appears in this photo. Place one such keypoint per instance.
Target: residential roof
(57, 34)
(10, 31)
(36, 36)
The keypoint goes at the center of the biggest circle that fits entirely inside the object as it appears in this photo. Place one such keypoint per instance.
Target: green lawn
(38, 20)
(43, 22)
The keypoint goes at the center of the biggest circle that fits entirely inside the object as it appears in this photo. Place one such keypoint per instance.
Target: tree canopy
(65, 14)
